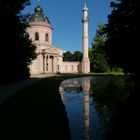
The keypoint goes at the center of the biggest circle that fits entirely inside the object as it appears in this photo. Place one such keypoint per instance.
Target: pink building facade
(49, 59)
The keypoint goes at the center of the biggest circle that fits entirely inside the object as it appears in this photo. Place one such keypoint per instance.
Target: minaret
(85, 60)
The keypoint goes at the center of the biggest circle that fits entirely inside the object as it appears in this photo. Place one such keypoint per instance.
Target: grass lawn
(36, 112)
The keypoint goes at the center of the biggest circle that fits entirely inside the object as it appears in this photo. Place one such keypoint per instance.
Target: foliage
(76, 56)
(17, 52)
(100, 64)
(122, 32)
(118, 70)
(67, 56)
(97, 54)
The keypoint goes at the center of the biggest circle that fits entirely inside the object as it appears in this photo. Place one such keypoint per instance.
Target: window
(36, 36)
(46, 37)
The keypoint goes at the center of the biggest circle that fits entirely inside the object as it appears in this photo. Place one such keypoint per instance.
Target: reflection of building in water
(86, 90)
(61, 91)
(76, 83)
(67, 84)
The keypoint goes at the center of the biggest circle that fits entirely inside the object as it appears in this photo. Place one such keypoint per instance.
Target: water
(90, 102)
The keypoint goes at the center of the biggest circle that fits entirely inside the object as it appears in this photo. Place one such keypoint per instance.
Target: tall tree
(68, 56)
(17, 50)
(97, 54)
(122, 31)
(76, 56)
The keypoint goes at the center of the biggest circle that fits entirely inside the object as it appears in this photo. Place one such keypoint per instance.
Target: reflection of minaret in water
(86, 89)
(61, 91)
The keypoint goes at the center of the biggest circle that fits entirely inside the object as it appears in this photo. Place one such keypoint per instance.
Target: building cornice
(40, 23)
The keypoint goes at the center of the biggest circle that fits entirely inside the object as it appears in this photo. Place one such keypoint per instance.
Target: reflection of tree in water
(124, 122)
(74, 90)
(72, 85)
(108, 94)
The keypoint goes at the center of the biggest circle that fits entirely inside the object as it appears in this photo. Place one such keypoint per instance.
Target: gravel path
(9, 90)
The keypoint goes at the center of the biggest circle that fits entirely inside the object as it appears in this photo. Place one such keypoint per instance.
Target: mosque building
(50, 59)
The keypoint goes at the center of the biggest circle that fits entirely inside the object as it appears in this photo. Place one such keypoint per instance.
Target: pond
(91, 103)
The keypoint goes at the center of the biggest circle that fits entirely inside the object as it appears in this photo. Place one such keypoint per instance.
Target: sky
(65, 17)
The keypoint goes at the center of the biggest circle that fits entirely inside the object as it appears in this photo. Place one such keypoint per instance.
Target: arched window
(46, 37)
(36, 36)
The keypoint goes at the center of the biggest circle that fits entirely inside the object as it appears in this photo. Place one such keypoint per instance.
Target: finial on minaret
(37, 2)
(85, 6)
(85, 2)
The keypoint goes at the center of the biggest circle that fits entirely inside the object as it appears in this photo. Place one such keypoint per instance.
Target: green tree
(68, 56)
(97, 54)
(122, 31)
(17, 50)
(76, 56)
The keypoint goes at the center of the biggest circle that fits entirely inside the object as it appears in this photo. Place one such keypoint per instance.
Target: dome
(38, 15)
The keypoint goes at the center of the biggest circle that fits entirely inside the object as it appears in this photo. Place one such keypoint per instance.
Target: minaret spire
(85, 3)
(85, 6)
(37, 2)
(85, 60)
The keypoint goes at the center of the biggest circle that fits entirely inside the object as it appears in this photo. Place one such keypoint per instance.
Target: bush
(118, 70)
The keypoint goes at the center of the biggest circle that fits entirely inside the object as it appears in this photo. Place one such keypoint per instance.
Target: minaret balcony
(84, 20)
